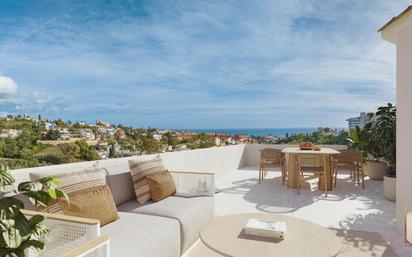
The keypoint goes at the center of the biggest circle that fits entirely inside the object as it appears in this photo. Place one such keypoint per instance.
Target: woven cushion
(73, 182)
(94, 203)
(161, 185)
(139, 170)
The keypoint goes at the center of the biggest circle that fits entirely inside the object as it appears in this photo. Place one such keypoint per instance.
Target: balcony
(363, 219)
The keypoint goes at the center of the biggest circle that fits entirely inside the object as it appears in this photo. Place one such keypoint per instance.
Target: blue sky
(197, 64)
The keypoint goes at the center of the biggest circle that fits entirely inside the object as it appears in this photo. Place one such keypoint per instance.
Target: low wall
(221, 160)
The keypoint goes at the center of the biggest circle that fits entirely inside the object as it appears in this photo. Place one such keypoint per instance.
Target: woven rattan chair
(351, 161)
(269, 158)
(314, 165)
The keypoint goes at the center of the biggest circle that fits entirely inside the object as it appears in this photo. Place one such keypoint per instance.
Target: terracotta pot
(377, 170)
(389, 187)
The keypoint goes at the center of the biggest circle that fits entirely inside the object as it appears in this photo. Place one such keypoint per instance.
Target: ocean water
(280, 132)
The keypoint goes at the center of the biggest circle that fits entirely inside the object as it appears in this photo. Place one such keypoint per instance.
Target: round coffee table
(303, 238)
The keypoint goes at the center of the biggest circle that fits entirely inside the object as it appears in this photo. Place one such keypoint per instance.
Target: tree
(87, 152)
(112, 151)
(53, 134)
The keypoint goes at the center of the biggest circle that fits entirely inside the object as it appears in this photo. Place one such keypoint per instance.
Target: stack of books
(265, 228)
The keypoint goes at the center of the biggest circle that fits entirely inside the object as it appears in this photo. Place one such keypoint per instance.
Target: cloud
(194, 64)
(8, 87)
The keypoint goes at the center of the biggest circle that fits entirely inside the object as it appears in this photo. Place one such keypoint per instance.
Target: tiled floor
(347, 206)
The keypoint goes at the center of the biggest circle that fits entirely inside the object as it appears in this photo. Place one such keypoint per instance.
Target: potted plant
(386, 123)
(358, 141)
(380, 135)
(18, 233)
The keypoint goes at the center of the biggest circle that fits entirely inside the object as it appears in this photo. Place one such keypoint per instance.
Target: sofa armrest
(190, 183)
(100, 246)
(69, 233)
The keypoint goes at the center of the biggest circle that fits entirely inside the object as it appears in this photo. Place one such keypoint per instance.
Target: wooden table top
(323, 150)
(303, 238)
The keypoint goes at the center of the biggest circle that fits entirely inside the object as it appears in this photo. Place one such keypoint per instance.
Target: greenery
(378, 138)
(381, 133)
(18, 232)
(323, 136)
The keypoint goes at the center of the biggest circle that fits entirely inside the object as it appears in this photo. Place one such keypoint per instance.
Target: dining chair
(311, 164)
(269, 158)
(352, 161)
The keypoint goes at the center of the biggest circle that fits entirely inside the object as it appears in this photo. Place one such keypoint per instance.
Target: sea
(279, 132)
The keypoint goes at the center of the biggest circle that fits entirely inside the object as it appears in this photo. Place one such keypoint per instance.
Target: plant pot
(365, 168)
(389, 187)
(377, 170)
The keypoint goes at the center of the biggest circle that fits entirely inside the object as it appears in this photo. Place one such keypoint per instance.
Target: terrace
(348, 207)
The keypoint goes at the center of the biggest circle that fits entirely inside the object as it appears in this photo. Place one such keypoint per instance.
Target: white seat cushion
(192, 213)
(143, 235)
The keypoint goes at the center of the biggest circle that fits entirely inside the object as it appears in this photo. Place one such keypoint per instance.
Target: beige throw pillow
(94, 203)
(73, 181)
(139, 169)
(161, 185)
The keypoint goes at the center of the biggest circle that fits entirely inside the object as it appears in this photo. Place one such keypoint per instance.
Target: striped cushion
(74, 181)
(139, 170)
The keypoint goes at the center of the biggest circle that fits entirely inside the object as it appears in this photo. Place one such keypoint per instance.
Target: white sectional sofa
(166, 228)
(155, 229)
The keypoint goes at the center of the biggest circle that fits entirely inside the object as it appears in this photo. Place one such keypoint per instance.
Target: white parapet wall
(221, 160)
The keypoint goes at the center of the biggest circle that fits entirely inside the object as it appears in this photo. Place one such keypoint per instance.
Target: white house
(87, 133)
(13, 133)
(399, 32)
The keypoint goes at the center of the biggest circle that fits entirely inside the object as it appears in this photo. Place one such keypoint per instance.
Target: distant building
(217, 141)
(120, 134)
(82, 123)
(48, 125)
(64, 133)
(157, 137)
(13, 133)
(87, 133)
(102, 123)
(359, 121)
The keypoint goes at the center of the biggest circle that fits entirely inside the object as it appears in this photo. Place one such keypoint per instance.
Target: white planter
(365, 168)
(376, 170)
(389, 188)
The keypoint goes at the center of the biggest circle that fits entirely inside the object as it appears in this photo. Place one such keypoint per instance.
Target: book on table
(265, 228)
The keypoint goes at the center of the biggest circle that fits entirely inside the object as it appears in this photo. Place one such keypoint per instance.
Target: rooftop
(346, 207)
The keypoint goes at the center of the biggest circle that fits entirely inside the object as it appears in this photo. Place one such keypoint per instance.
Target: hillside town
(26, 141)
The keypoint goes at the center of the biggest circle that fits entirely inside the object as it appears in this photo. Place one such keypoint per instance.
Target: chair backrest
(270, 154)
(349, 157)
(310, 160)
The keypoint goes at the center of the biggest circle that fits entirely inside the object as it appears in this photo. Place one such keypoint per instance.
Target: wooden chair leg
(363, 179)
(335, 177)
(325, 175)
(260, 174)
(357, 174)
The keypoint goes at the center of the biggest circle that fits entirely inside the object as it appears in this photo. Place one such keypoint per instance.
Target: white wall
(221, 160)
(404, 124)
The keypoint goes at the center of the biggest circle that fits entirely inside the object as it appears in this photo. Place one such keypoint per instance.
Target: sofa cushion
(192, 213)
(139, 170)
(161, 185)
(121, 186)
(94, 203)
(143, 235)
(73, 181)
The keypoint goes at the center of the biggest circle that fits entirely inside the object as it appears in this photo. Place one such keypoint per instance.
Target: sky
(197, 64)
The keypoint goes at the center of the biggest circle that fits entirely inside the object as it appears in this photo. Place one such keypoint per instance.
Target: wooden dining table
(292, 152)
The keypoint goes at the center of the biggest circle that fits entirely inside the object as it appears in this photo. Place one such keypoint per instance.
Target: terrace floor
(346, 207)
